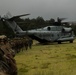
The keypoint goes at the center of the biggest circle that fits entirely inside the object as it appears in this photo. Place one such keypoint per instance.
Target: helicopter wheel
(59, 42)
(71, 41)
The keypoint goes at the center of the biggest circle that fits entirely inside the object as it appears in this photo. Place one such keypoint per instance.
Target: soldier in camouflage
(7, 55)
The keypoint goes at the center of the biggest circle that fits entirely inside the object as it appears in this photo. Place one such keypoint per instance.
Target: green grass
(53, 59)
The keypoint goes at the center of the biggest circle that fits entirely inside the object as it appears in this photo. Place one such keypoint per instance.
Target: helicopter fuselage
(51, 34)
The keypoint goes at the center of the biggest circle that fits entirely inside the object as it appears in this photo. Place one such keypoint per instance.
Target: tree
(51, 21)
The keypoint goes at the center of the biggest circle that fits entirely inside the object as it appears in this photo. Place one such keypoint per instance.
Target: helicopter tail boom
(8, 20)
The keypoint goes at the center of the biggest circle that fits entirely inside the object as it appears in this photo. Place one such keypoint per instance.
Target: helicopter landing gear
(71, 41)
(59, 42)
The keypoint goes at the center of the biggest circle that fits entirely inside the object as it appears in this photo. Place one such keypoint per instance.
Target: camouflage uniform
(7, 55)
(25, 42)
(30, 42)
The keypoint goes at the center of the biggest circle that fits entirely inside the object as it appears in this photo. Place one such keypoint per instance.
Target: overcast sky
(44, 8)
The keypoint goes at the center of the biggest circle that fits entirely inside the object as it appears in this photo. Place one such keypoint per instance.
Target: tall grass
(53, 59)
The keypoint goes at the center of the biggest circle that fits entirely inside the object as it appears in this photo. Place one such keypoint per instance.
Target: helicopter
(54, 33)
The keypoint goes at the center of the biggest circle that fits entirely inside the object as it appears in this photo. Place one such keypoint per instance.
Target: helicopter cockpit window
(48, 28)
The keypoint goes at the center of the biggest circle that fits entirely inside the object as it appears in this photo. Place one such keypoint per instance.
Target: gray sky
(44, 8)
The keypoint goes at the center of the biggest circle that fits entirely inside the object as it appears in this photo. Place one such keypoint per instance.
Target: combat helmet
(3, 38)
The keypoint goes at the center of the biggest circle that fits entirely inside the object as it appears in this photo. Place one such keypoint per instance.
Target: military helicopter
(53, 33)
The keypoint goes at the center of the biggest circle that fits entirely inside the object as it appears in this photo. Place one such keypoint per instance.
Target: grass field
(53, 59)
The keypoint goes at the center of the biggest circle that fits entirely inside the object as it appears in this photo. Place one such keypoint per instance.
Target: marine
(7, 55)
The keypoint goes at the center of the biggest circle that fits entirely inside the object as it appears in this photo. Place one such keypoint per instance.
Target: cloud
(45, 8)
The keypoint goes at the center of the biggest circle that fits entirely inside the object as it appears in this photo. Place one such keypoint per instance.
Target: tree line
(27, 24)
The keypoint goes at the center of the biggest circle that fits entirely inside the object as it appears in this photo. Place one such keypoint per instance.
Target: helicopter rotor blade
(15, 17)
(63, 19)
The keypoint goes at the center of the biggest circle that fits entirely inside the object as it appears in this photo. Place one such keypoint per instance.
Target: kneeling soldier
(8, 55)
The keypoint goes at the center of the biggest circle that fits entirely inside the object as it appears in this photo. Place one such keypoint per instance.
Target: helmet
(3, 37)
